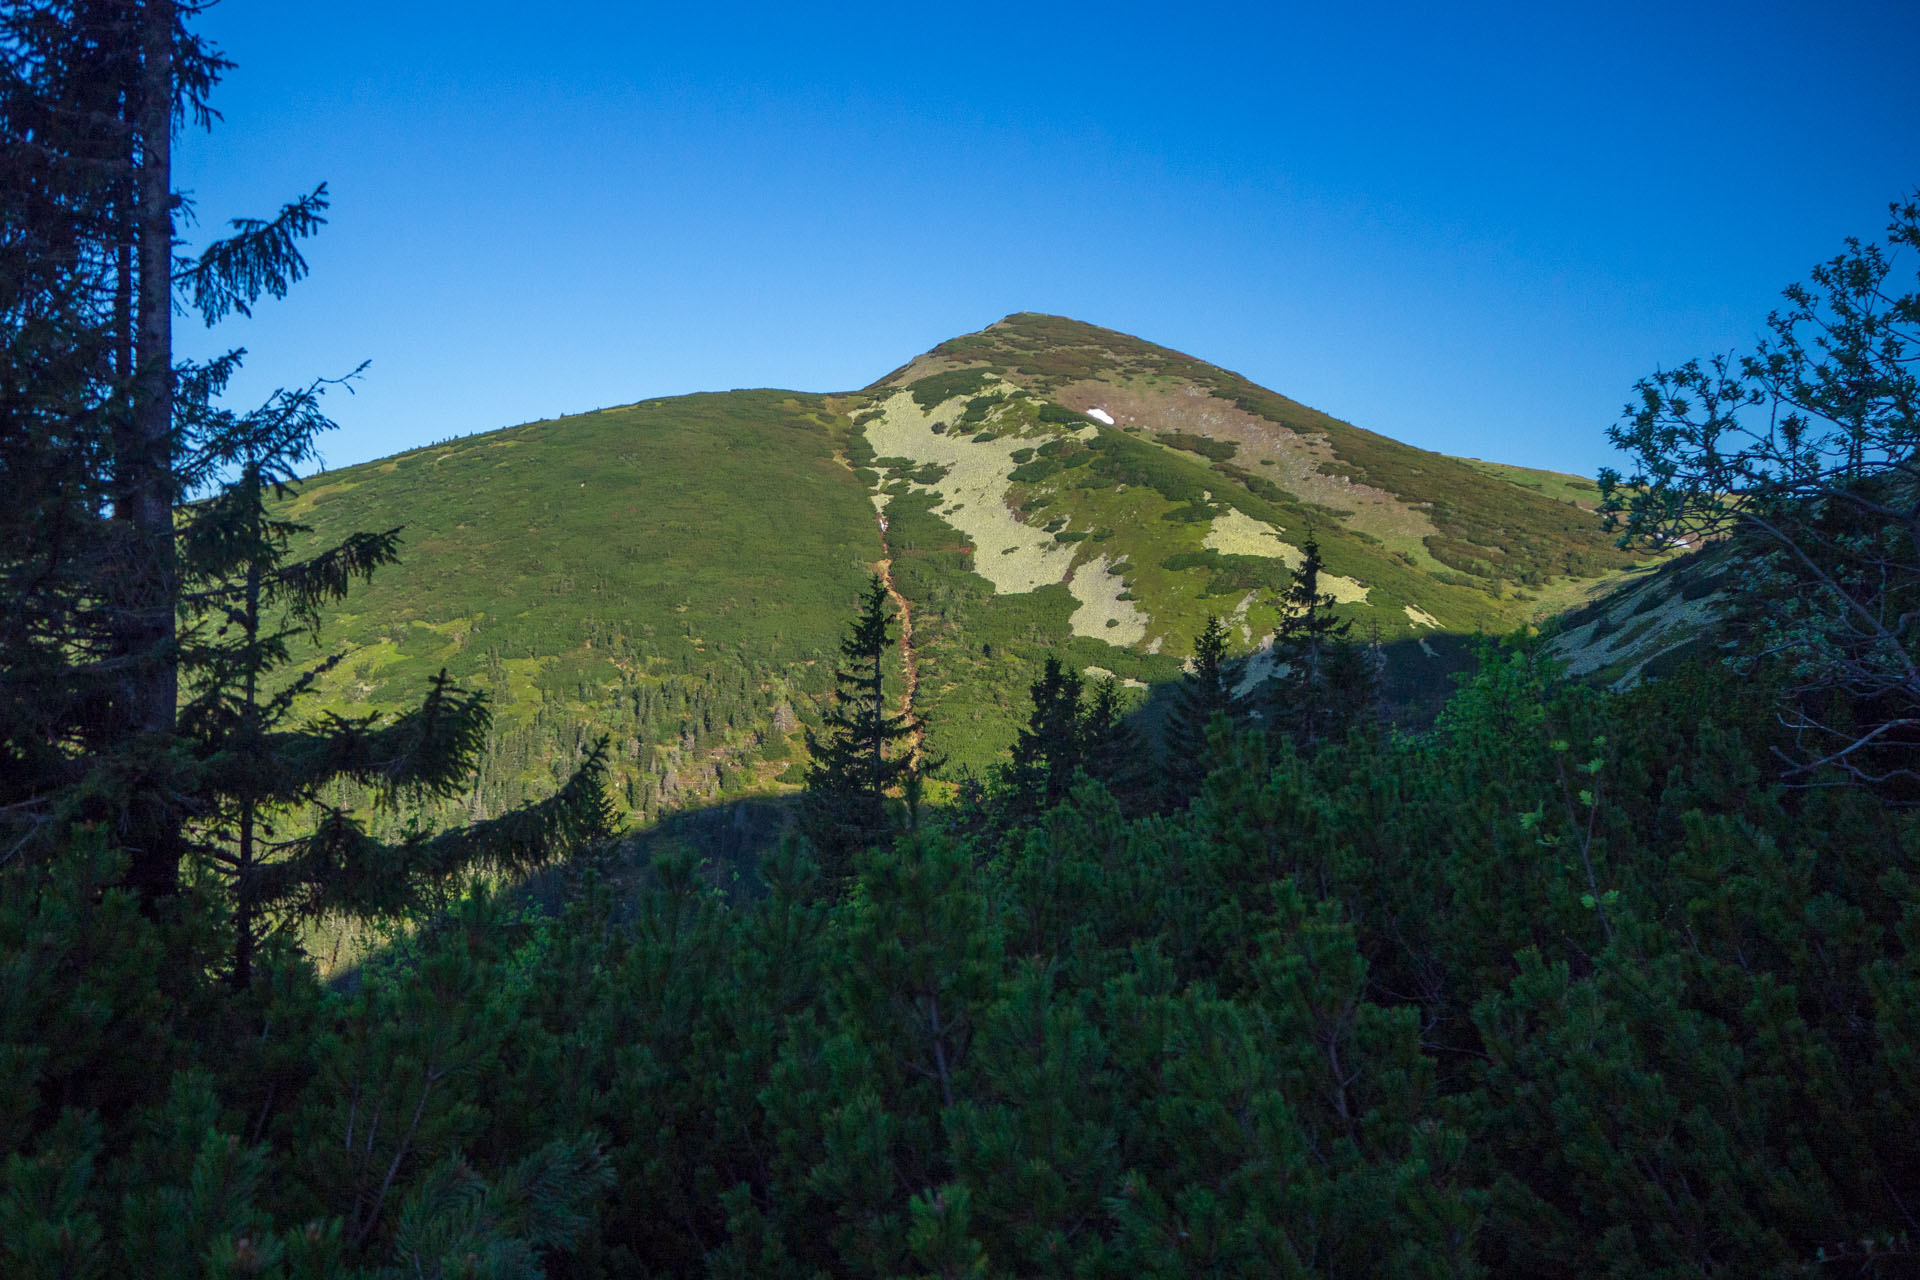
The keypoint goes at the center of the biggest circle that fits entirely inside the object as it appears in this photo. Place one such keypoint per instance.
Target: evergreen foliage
(90, 94)
(1322, 684)
(1205, 693)
(854, 763)
(261, 822)
(1116, 753)
(1051, 748)
(687, 602)
(235, 760)
(1642, 1010)
(1068, 736)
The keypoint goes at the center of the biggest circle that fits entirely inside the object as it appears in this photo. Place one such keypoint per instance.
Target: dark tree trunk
(144, 481)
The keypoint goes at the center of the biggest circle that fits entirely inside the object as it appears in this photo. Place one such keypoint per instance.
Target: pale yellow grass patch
(1420, 617)
(1675, 621)
(1102, 614)
(1013, 556)
(1240, 616)
(1260, 664)
(1238, 534)
(306, 499)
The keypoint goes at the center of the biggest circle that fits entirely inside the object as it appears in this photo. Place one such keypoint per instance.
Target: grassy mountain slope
(1477, 519)
(671, 573)
(677, 573)
(1648, 620)
(1016, 516)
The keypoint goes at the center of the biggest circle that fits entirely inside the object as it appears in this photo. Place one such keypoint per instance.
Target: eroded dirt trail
(909, 662)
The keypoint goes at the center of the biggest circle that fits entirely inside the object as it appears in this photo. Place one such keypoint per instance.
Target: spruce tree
(855, 762)
(145, 508)
(1114, 753)
(262, 826)
(1068, 734)
(1206, 692)
(1052, 746)
(101, 426)
(60, 363)
(1321, 681)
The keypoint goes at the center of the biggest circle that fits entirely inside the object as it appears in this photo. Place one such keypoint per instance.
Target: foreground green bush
(1566, 987)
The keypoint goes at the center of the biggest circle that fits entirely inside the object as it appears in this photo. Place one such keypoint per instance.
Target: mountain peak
(1498, 533)
(1043, 483)
(1043, 351)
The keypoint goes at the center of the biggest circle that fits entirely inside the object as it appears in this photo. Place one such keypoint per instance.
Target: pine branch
(578, 813)
(428, 752)
(327, 577)
(260, 258)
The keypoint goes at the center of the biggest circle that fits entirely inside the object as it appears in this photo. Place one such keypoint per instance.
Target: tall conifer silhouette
(1321, 682)
(856, 762)
(1204, 693)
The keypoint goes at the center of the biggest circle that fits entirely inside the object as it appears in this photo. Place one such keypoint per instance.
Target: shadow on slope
(725, 841)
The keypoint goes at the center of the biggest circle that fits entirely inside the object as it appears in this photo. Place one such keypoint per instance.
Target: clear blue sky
(1470, 227)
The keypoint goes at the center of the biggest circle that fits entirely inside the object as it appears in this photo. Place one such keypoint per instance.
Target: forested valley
(1579, 979)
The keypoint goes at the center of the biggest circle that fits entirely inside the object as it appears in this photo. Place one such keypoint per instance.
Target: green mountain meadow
(674, 573)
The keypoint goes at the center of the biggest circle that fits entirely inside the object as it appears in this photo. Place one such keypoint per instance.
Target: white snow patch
(1100, 415)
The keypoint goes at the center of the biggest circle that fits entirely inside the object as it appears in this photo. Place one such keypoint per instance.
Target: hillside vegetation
(1641, 1012)
(668, 573)
(671, 573)
(1497, 525)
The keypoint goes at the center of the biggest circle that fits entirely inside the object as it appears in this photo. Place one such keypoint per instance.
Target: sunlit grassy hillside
(670, 573)
(1501, 526)
(675, 574)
